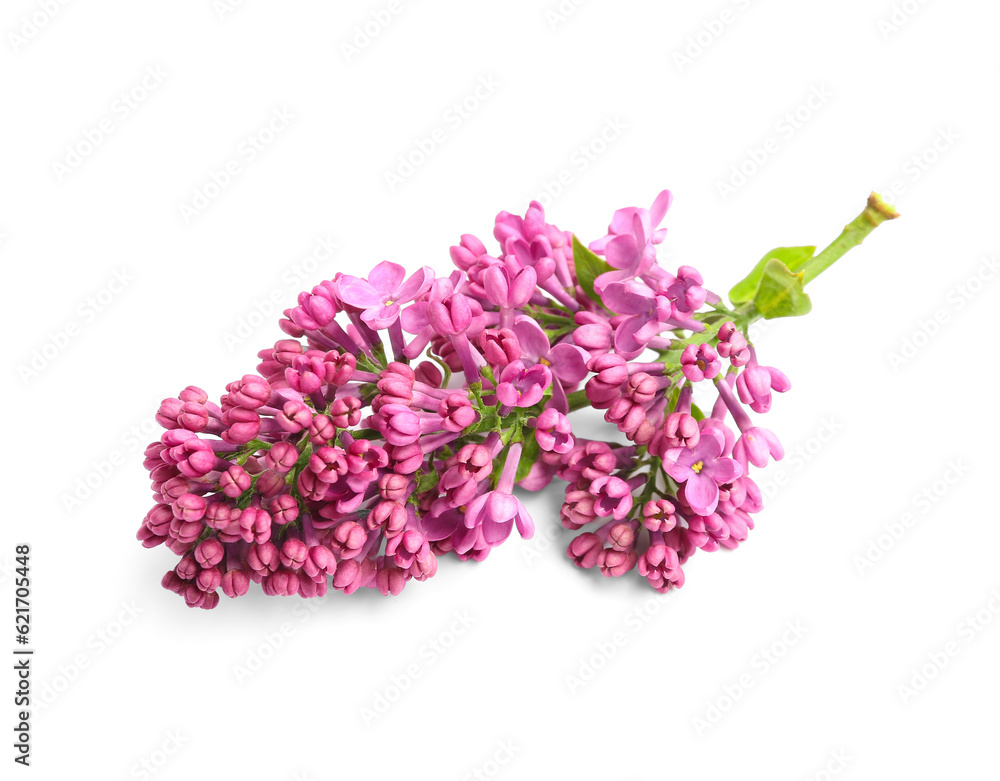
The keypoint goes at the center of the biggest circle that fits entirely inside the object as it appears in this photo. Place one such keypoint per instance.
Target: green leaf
(588, 268)
(528, 456)
(781, 292)
(487, 372)
(696, 412)
(487, 423)
(793, 257)
(365, 364)
(426, 481)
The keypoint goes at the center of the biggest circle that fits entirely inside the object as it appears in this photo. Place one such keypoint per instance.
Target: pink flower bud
(388, 515)
(349, 538)
(235, 583)
(622, 536)
(554, 432)
(250, 392)
(234, 481)
(242, 425)
(209, 552)
(394, 487)
(256, 525)
(429, 374)
(263, 558)
(269, 484)
(190, 507)
(284, 509)
(659, 515)
(321, 430)
(585, 550)
(451, 316)
(345, 412)
(281, 457)
(294, 416)
(615, 563)
(328, 464)
(294, 552)
(193, 394)
(209, 579)
(499, 347)
(700, 362)
(352, 575)
(389, 579)
(457, 412)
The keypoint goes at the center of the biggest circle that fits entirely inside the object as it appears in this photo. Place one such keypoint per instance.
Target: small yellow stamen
(696, 468)
(545, 361)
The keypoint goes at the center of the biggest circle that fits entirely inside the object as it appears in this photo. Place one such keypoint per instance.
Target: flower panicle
(391, 423)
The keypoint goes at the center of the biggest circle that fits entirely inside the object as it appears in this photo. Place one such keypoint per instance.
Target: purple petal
(627, 298)
(474, 511)
(507, 394)
(751, 449)
(496, 532)
(534, 342)
(439, 527)
(659, 208)
(597, 247)
(605, 279)
(758, 380)
(559, 402)
(414, 318)
(723, 470)
(638, 230)
(710, 444)
(525, 525)
(677, 463)
(728, 438)
(774, 444)
(625, 341)
(702, 494)
(496, 283)
(385, 278)
(522, 288)
(622, 253)
(650, 329)
(418, 284)
(538, 375)
(521, 251)
(569, 362)
(500, 506)
(621, 221)
(464, 542)
(357, 292)
(531, 396)
(779, 381)
(379, 317)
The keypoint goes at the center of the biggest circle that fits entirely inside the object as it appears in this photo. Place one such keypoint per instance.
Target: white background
(264, 688)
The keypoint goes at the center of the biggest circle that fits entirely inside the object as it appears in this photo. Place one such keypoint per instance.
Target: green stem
(578, 400)
(876, 212)
(250, 448)
(655, 467)
(445, 368)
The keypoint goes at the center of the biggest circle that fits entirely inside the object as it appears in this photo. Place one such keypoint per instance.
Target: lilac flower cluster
(392, 424)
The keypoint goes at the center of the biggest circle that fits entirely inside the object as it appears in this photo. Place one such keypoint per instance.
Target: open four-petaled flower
(381, 295)
(702, 469)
